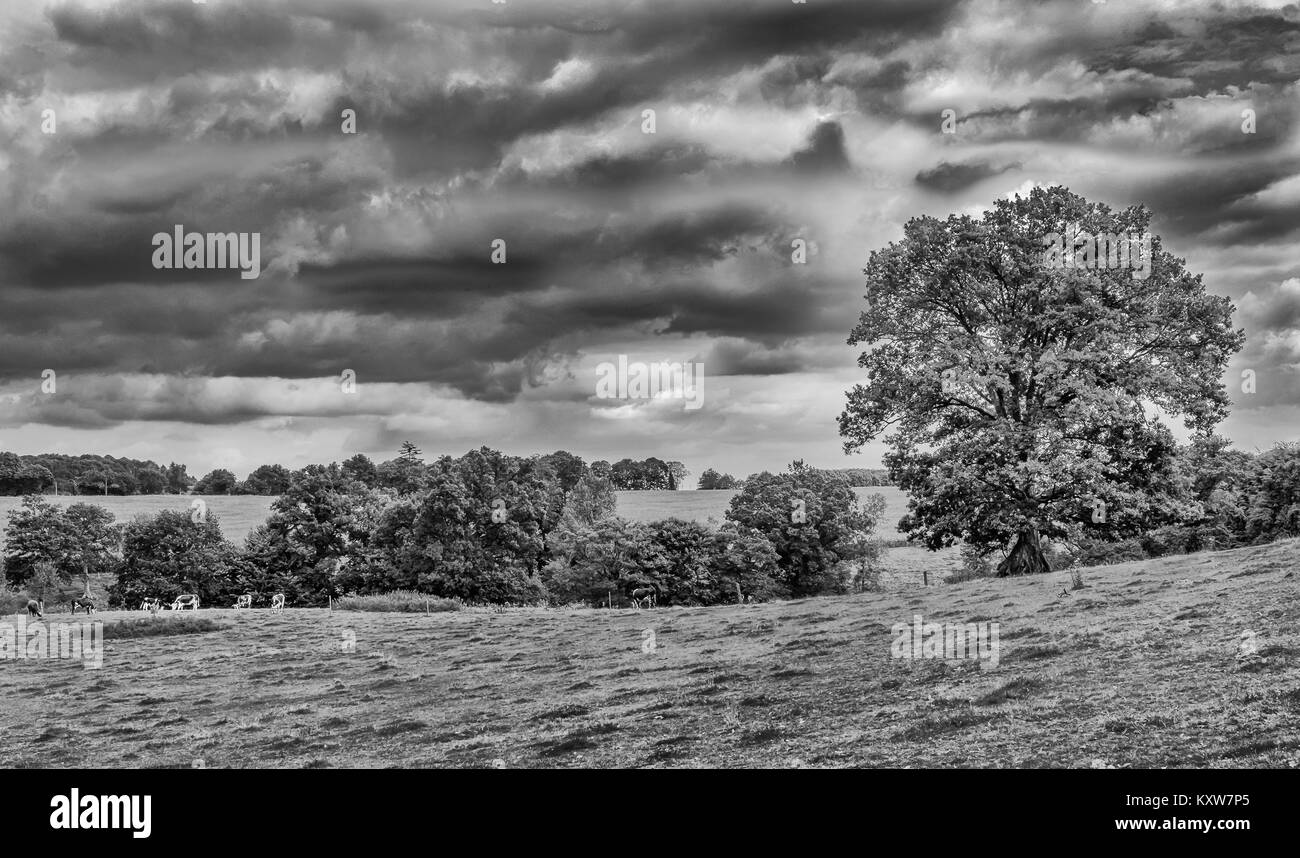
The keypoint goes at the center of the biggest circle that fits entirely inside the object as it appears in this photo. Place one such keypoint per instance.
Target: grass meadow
(1145, 667)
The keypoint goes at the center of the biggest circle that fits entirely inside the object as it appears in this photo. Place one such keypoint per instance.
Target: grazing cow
(244, 601)
(153, 606)
(644, 596)
(277, 603)
(83, 602)
(34, 609)
(186, 600)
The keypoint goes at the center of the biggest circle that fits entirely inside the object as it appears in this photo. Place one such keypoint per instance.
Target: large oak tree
(1023, 399)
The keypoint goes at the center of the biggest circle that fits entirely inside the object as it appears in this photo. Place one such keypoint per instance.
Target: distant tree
(21, 478)
(712, 480)
(605, 560)
(524, 491)
(178, 482)
(362, 470)
(44, 584)
(655, 473)
(218, 482)
(402, 476)
(266, 480)
(317, 529)
(96, 482)
(168, 554)
(462, 553)
(1019, 395)
(601, 469)
(626, 475)
(744, 556)
(92, 541)
(590, 500)
(568, 468)
(81, 539)
(151, 480)
(676, 473)
(36, 534)
(689, 573)
(410, 452)
(1271, 494)
(813, 520)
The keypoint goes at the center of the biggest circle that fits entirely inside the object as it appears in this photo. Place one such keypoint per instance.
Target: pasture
(1145, 667)
(238, 513)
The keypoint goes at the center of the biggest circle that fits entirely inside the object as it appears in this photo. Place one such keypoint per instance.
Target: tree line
(89, 475)
(485, 527)
(107, 475)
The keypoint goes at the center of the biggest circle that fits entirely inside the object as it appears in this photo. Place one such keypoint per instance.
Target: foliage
(266, 480)
(398, 601)
(318, 528)
(652, 473)
(812, 519)
(218, 482)
(88, 474)
(711, 480)
(81, 539)
(171, 553)
(1020, 396)
(590, 500)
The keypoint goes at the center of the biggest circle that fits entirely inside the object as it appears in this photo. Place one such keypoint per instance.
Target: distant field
(1146, 668)
(240, 514)
(237, 515)
(699, 505)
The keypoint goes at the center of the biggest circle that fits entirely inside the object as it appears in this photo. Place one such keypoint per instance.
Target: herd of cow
(184, 602)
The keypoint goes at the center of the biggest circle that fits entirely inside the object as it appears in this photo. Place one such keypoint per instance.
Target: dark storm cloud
(948, 177)
(522, 121)
(736, 357)
(825, 151)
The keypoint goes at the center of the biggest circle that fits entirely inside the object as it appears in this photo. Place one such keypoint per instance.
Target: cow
(153, 606)
(643, 597)
(83, 602)
(244, 601)
(277, 603)
(34, 609)
(186, 600)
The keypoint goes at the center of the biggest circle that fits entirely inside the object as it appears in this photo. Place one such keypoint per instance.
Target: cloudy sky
(525, 122)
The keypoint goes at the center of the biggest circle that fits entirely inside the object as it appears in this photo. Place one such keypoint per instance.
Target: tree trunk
(1026, 557)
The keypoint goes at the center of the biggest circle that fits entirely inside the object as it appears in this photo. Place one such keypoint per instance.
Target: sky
(477, 128)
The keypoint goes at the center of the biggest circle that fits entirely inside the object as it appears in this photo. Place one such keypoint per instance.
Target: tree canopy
(1024, 399)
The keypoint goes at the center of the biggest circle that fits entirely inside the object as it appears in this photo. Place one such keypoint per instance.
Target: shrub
(976, 562)
(398, 602)
(150, 627)
(13, 601)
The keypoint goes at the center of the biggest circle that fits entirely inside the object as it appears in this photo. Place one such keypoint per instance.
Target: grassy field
(1144, 668)
(238, 515)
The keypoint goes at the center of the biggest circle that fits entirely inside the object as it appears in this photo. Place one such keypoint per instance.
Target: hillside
(1143, 668)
